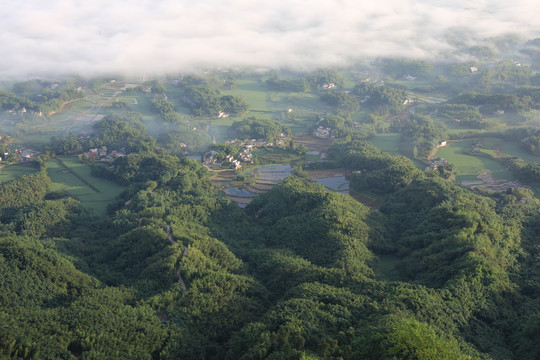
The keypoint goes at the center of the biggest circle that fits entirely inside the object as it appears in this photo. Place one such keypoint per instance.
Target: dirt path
(169, 236)
(163, 315)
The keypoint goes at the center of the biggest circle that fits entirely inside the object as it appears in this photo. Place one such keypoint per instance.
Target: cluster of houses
(234, 162)
(245, 155)
(439, 163)
(210, 159)
(23, 154)
(23, 111)
(323, 132)
(102, 154)
(254, 143)
(408, 101)
(27, 154)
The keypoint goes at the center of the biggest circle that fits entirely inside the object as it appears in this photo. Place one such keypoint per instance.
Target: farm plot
(68, 174)
(469, 165)
(387, 143)
(515, 149)
(266, 104)
(14, 171)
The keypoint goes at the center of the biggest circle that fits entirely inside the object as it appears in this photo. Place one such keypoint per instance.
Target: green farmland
(14, 171)
(514, 149)
(266, 104)
(387, 142)
(94, 193)
(469, 165)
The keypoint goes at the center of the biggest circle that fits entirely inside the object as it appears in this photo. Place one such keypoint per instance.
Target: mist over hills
(92, 38)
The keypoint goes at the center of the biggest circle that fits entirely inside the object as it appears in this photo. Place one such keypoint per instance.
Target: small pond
(336, 183)
(194, 157)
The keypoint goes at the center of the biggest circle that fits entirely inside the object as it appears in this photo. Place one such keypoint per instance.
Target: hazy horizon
(89, 38)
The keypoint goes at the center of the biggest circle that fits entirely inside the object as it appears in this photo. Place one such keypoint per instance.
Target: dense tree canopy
(253, 128)
(421, 135)
(381, 96)
(373, 169)
(178, 271)
(206, 100)
(10, 101)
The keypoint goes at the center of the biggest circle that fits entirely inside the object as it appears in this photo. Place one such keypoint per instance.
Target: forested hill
(301, 273)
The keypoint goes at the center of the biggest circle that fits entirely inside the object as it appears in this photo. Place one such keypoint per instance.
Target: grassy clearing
(386, 268)
(14, 171)
(96, 198)
(387, 142)
(359, 116)
(452, 125)
(254, 92)
(367, 198)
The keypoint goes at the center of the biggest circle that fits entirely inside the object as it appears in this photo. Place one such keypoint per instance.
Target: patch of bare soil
(313, 143)
(365, 200)
(163, 317)
(486, 177)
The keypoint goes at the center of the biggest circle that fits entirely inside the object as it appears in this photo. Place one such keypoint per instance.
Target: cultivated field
(387, 142)
(469, 165)
(266, 104)
(514, 149)
(68, 174)
(13, 171)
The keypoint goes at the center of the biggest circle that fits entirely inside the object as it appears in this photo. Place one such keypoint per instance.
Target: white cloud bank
(95, 36)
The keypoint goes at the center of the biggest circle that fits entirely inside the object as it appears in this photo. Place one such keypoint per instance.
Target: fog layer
(97, 36)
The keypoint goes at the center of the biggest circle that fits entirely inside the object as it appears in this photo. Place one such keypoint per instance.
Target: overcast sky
(89, 37)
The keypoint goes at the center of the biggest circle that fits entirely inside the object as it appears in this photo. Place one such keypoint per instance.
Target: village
(102, 154)
(20, 155)
(245, 155)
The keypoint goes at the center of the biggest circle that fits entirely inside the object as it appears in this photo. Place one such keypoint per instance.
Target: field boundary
(78, 176)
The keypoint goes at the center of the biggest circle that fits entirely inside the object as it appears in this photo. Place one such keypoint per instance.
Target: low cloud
(40, 38)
